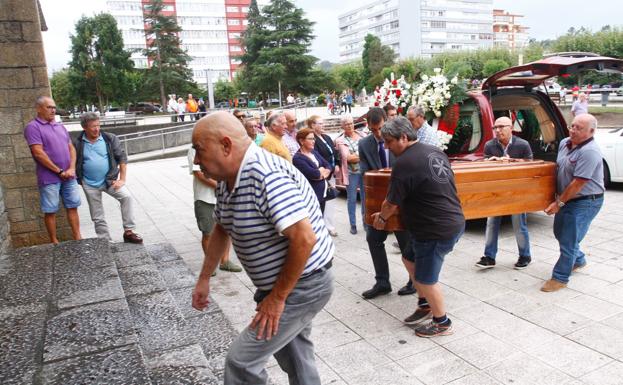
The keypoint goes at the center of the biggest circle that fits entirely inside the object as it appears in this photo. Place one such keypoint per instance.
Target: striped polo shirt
(269, 196)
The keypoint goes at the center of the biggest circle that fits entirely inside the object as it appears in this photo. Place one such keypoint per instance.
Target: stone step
(86, 311)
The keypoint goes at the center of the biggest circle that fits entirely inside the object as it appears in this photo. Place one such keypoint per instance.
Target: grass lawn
(602, 110)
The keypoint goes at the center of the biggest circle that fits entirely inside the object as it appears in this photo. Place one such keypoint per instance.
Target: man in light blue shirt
(101, 167)
(425, 133)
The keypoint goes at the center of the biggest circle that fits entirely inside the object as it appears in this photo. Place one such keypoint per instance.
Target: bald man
(55, 159)
(289, 137)
(505, 147)
(273, 234)
(580, 187)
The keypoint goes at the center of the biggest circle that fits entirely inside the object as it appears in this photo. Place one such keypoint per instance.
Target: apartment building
(210, 32)
(507, 31)
(417, 28)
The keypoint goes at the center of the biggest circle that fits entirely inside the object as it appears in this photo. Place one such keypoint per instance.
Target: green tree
(169, 70)
(63, 91)
(225, 90)
(276, 44)
(492, 66)
(375, 57)
(533, 52)
(348, 75)
(99, 63)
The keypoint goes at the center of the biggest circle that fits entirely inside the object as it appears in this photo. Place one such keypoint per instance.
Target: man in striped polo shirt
(270, 212)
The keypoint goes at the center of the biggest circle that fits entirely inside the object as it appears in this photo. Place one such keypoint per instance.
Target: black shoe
(407, 289)
(353, 230)
(522, 263)
(420, 314)
(375, 292)
(485, 263)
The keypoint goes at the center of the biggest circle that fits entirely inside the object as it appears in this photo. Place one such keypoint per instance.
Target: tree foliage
(63, 91)
(99, 63)
(276, 43)
(374, 58)
(225, 90)
(169, 72)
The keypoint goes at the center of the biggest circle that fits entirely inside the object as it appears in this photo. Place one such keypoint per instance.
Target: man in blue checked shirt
(269, 211)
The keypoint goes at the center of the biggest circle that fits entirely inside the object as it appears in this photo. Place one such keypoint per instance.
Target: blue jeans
(354, 181)
(520, 227)
(570, 226)
(50, 196)
(429, 256)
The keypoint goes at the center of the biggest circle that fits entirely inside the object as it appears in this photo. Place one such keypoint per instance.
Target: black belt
(324, 268)
(590, 196)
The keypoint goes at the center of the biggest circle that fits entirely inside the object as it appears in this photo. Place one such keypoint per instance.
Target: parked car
(143, 108)
(611, 144)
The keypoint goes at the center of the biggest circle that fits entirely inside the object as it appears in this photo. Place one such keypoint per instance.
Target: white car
(611, 144)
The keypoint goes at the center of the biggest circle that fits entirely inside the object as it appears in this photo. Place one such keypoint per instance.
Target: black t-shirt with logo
(422, 185)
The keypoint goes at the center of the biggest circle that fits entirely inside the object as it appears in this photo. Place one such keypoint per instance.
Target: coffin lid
(565, 64)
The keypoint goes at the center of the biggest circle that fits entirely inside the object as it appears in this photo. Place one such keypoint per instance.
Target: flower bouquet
(396, 92)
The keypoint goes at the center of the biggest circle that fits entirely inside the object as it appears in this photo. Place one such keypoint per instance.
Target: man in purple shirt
(55, 158)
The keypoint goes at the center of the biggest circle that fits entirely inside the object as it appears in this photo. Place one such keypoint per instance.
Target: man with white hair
(273, 140)
(580, 186)
(425, 133)
(289, 137)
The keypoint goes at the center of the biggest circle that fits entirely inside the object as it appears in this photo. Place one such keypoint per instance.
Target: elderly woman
(347, 146)
(311, 164)
(251, 126)
(326, 148)
(181, 109)
(580, 106)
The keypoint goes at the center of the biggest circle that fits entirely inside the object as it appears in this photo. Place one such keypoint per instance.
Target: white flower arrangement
(435, 92)
(444, 139)
(396, 92)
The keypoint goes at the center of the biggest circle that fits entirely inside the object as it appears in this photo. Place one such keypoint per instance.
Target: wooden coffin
(485, 188)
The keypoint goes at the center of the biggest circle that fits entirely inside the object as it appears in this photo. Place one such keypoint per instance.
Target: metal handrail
(154, 133)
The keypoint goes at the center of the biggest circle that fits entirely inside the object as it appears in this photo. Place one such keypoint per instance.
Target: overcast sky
(547, 19)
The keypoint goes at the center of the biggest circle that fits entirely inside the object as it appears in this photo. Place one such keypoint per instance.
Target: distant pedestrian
(172, 108)
(181, 109)
(201, 108)
(191, 107)
(580, 106)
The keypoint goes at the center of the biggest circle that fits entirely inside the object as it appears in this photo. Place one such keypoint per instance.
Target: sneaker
(353, 229)
(420, 314)
(433, 329)
(230, 266)
(333, 233)
(522, 263)
(485, 263)
(552, 285)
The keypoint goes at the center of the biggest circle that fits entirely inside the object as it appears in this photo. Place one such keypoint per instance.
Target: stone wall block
(11, 122)
(16, 215)
(20, 77)
(40, 78)
(10, 31)
(7, 160)
(31, 32)
(20, 146)
(13, 199)
(11, 181)
(18, 10)
(25, 166)
(21, 54)
(25, 227)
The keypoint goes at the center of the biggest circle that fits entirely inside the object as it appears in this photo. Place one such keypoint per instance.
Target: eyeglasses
(501, 126)
(312, 138)
(239, 116)
(50, 107)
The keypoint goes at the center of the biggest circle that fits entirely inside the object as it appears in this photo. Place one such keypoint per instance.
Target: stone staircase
(86, 312)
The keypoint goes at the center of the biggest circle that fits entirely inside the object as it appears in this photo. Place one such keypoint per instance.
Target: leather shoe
(132, 237)
(375, 292)
(552, 285)
(407, 290)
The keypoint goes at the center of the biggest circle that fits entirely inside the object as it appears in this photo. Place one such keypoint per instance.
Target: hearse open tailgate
(494, 188)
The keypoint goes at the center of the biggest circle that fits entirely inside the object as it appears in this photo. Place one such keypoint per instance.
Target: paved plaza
(506, 330)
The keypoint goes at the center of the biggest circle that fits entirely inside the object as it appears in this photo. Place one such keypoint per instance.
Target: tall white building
(417, 28)
(210, 32)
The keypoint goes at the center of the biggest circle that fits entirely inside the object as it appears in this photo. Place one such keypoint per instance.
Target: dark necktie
(382, 155)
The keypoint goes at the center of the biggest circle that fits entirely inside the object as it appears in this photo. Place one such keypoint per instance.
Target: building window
(437, 24)
(234, 35)
(245, 22)
(233, 9)
(235, 48)
(245, 9)
(233, 22)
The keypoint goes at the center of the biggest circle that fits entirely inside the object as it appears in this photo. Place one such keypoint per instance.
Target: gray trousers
(96, 208)
(292, 348)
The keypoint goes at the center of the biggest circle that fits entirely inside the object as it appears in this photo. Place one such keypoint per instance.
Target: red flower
(388, 92)
(376, 104)
(398, 93)
(395, 82)
(399, 110)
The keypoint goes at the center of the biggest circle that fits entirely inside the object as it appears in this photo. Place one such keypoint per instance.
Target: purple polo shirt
(55, 141)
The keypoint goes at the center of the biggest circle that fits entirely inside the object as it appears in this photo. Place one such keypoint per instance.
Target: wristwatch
(561, 204)
(383, 219)
(60, 172)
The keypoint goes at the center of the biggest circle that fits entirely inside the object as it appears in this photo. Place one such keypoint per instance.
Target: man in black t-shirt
(422, 186)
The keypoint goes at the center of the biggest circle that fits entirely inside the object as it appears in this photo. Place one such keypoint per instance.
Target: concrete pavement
(506, 330)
